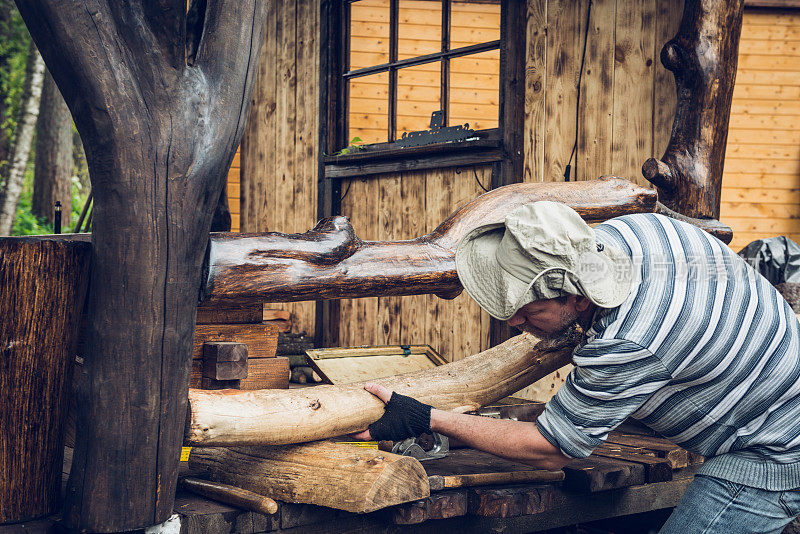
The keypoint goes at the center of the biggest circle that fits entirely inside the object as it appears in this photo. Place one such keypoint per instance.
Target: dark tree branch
(703, 57)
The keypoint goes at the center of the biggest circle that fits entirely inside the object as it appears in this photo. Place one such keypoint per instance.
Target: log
(232, 495)
(43, 285)
(160, 95)
(331, 262)
(273, 417)
(703, 57)
(339, 476)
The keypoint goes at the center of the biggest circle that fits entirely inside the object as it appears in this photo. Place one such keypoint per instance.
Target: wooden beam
(331, 262)
(294, 416)
(336, 475)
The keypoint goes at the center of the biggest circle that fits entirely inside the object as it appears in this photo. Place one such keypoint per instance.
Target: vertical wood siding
(405, 206)
(279, 149)
(761, 182)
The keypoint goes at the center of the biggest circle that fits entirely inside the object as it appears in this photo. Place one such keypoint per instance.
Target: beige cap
(543, 250)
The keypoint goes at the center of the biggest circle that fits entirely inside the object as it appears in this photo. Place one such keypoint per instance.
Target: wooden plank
(564, 46)
(510, 502)
(389, 228)
(763, 180)
(261, 339)
(762, 211)
(756, 166)
(656, 469)
(766, 107)
(266, 373)
(439, 320)
(633, 89)
(743, 136)
(231, 314)
(593, 157)
(768, 62)
(667, 21)
(440, 505)
(535, 76)
(258, 143)
(413, 310)
(600, 474)
(762, 227)
(663, 448)
(760, 151)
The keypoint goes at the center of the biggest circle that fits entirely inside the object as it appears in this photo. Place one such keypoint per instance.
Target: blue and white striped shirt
(704, 351)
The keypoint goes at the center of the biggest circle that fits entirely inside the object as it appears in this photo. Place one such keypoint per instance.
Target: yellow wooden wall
(279, 150)
(761, 182)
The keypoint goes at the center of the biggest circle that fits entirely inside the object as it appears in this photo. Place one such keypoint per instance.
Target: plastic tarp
(776, 258)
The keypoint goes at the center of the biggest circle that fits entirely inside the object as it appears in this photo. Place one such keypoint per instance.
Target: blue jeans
(715, 506)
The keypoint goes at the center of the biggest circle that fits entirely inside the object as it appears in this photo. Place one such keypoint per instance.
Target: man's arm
(515, 440)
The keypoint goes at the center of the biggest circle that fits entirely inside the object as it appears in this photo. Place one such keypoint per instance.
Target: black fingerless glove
(404, 418)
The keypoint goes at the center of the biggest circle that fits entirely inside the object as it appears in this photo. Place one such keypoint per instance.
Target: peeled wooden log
(328, 474)
(721, 231)
(331, 262)
(703, 57)
(274, 417)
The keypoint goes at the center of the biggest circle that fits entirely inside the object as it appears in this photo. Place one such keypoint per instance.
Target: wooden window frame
(501, 147)
(490, 146)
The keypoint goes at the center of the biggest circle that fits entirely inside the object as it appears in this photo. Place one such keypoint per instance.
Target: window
(410, 58)
(390, 64)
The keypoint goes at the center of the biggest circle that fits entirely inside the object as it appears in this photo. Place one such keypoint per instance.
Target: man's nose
(516, 319)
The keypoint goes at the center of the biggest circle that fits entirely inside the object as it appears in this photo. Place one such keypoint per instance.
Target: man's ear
(582, 303)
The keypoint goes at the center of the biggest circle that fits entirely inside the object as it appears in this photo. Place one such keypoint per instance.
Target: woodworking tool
(413, 447)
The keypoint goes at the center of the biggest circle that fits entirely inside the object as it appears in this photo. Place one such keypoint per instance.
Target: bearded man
(680, 333)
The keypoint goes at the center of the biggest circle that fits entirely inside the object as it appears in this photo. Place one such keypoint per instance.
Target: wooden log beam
(160, 96)
(329, 474)
(703, 57)
(274, 417)
(331, 262)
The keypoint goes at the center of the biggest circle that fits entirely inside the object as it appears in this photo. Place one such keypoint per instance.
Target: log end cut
(403, 480)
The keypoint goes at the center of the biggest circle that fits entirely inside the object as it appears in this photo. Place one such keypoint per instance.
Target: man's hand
(404, 417)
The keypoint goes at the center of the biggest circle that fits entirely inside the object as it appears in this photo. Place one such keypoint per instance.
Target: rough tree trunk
(160, 97)
(53, 169)
(23, 139)
(703, 57)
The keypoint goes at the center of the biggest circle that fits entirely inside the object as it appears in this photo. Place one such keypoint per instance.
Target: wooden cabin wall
(761, 180)
(404, 206)
(279, 148)
(627, 98)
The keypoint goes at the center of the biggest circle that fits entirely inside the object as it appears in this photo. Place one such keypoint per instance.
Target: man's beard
(567, 320)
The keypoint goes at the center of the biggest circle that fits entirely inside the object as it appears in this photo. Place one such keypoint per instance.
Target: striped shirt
(704, 351)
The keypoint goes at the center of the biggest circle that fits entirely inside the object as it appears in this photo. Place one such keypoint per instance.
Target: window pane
(419, 30)
(368, 108)
(475, 90)
(474, 22)
(369, 33)
(418, 95)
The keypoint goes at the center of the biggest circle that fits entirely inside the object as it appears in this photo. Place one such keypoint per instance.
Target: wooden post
(160, 96)
(43, 283)
(703, 57)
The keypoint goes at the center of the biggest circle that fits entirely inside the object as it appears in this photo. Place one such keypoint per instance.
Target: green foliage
(355, 145)
(14, 45)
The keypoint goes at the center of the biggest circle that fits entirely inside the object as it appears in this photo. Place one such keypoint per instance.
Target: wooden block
(661, 447)
(267, 373)
(231, 314)
(599, 474)
(277, 315)
(280, 326)
(224, 360)
(441, 505)
(210, 383)
(261, 339)
(511, 501)
(656, 469)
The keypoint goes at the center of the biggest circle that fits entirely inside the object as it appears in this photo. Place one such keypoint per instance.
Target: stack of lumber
(241, 324)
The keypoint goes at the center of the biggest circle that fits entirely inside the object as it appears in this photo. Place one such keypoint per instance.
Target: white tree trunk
(23, 139)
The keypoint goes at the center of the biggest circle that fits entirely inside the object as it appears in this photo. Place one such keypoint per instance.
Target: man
(680, 333)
